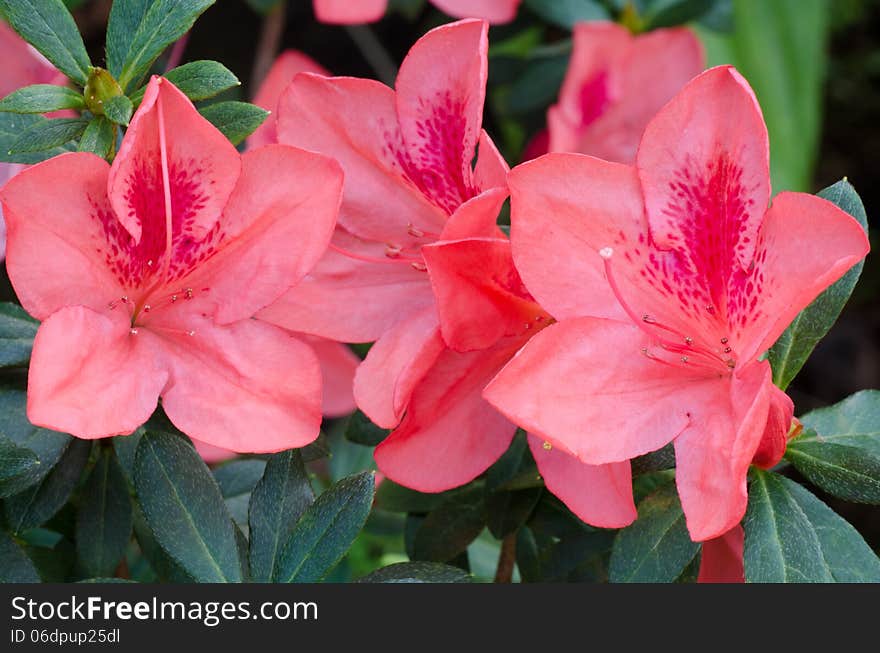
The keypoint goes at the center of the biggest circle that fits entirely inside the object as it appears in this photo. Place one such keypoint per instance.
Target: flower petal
(355, 122)
(395, 365)
(585, 386)
(450, 435)
(722, 558)
(495, 11)
(346, 12)
(806, 244)
(775, 437)
(480, 297)
(22, 64)
(712, 455)
(202, 168)
(288, 64)
(704, 163)
(211, 454)
(338, 366)
(441, 87)
(478, 217)
(248, 387)
(90, 377)
(601, 495)
(274, 229)
(57, 214)
(322, 303)
(491, 169)
(564, 209)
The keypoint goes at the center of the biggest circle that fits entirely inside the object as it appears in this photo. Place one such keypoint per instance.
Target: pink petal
(248, 387)
(564, 209)
(585, 386)
(480, 297)
(338, 365)
(713, 454)
(495, 11)
(211, 454)
(705, 172)
(722, 559)
(478, 217)
(441, 87)
(202, 168)
(395, 365)
(22, 64)
(56, 214)
(616, 83)
(537, 145)
(288, 64)
(346, 12)
(449, 435)
(90, 377)
(775, 437)
(322, 303)
(274, 229)
(355, 122)
(805, 244)
(491, 168)
(601, 495)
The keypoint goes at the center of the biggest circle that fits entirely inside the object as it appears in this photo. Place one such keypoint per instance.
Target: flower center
(671, 346)
(395, 253)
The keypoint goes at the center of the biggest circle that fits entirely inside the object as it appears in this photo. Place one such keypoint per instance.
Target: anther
(190, 333)
(133, 331)
(688, 340)
(647, 318)
(684, 359)
(547, 446)
(173, 298)
(188, 293)
(413, 231)
(417, 265)
(731, 363)
(146, 308)
(392, 251)
(727, 350)
(710, 308)
(606, 252)
(724, 341)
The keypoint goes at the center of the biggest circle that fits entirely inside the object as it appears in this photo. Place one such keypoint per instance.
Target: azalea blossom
(615, 83)
(722, 558)
(145, 275)
(669, 279)
(22, 66)
(347, 12)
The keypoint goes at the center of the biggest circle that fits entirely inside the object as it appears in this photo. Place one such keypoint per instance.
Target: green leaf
(198, 80)
(104, 518)
(792, 537)
(656, 547)
(184, 509)
(417, 572)
(447, 531)
(781, 49)
(508, 511)
(511, 463)
(165, 567)
(125, 17)
(788, 355)
(118, 109)
(98, 138)
(575, 555)
(48, 26)
(42, 98)
(854, 422)
(236, 120)
(360, 430)
(36, 505)
(237, 479)
(48, 134)
(125, 447)
(397, 498)
(159, 26)
(17, 331)
(846, 472)
(15, 566)
(565, 13)
(654, 461)
(538, 85)
(326, 530)
(47, 446)
(277, 503)
(671, 13)
(17, 467)
(11, 127)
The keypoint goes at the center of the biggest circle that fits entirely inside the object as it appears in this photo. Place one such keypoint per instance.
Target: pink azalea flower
(22, 66)
(698, 278)
(722, 558)
(146, 274)
(615, 84)
(346, 12)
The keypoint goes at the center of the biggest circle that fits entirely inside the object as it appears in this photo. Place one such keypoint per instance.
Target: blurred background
(814, 64)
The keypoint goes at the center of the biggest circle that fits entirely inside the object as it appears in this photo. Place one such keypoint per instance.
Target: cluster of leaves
(146, 507)
(138, 32)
